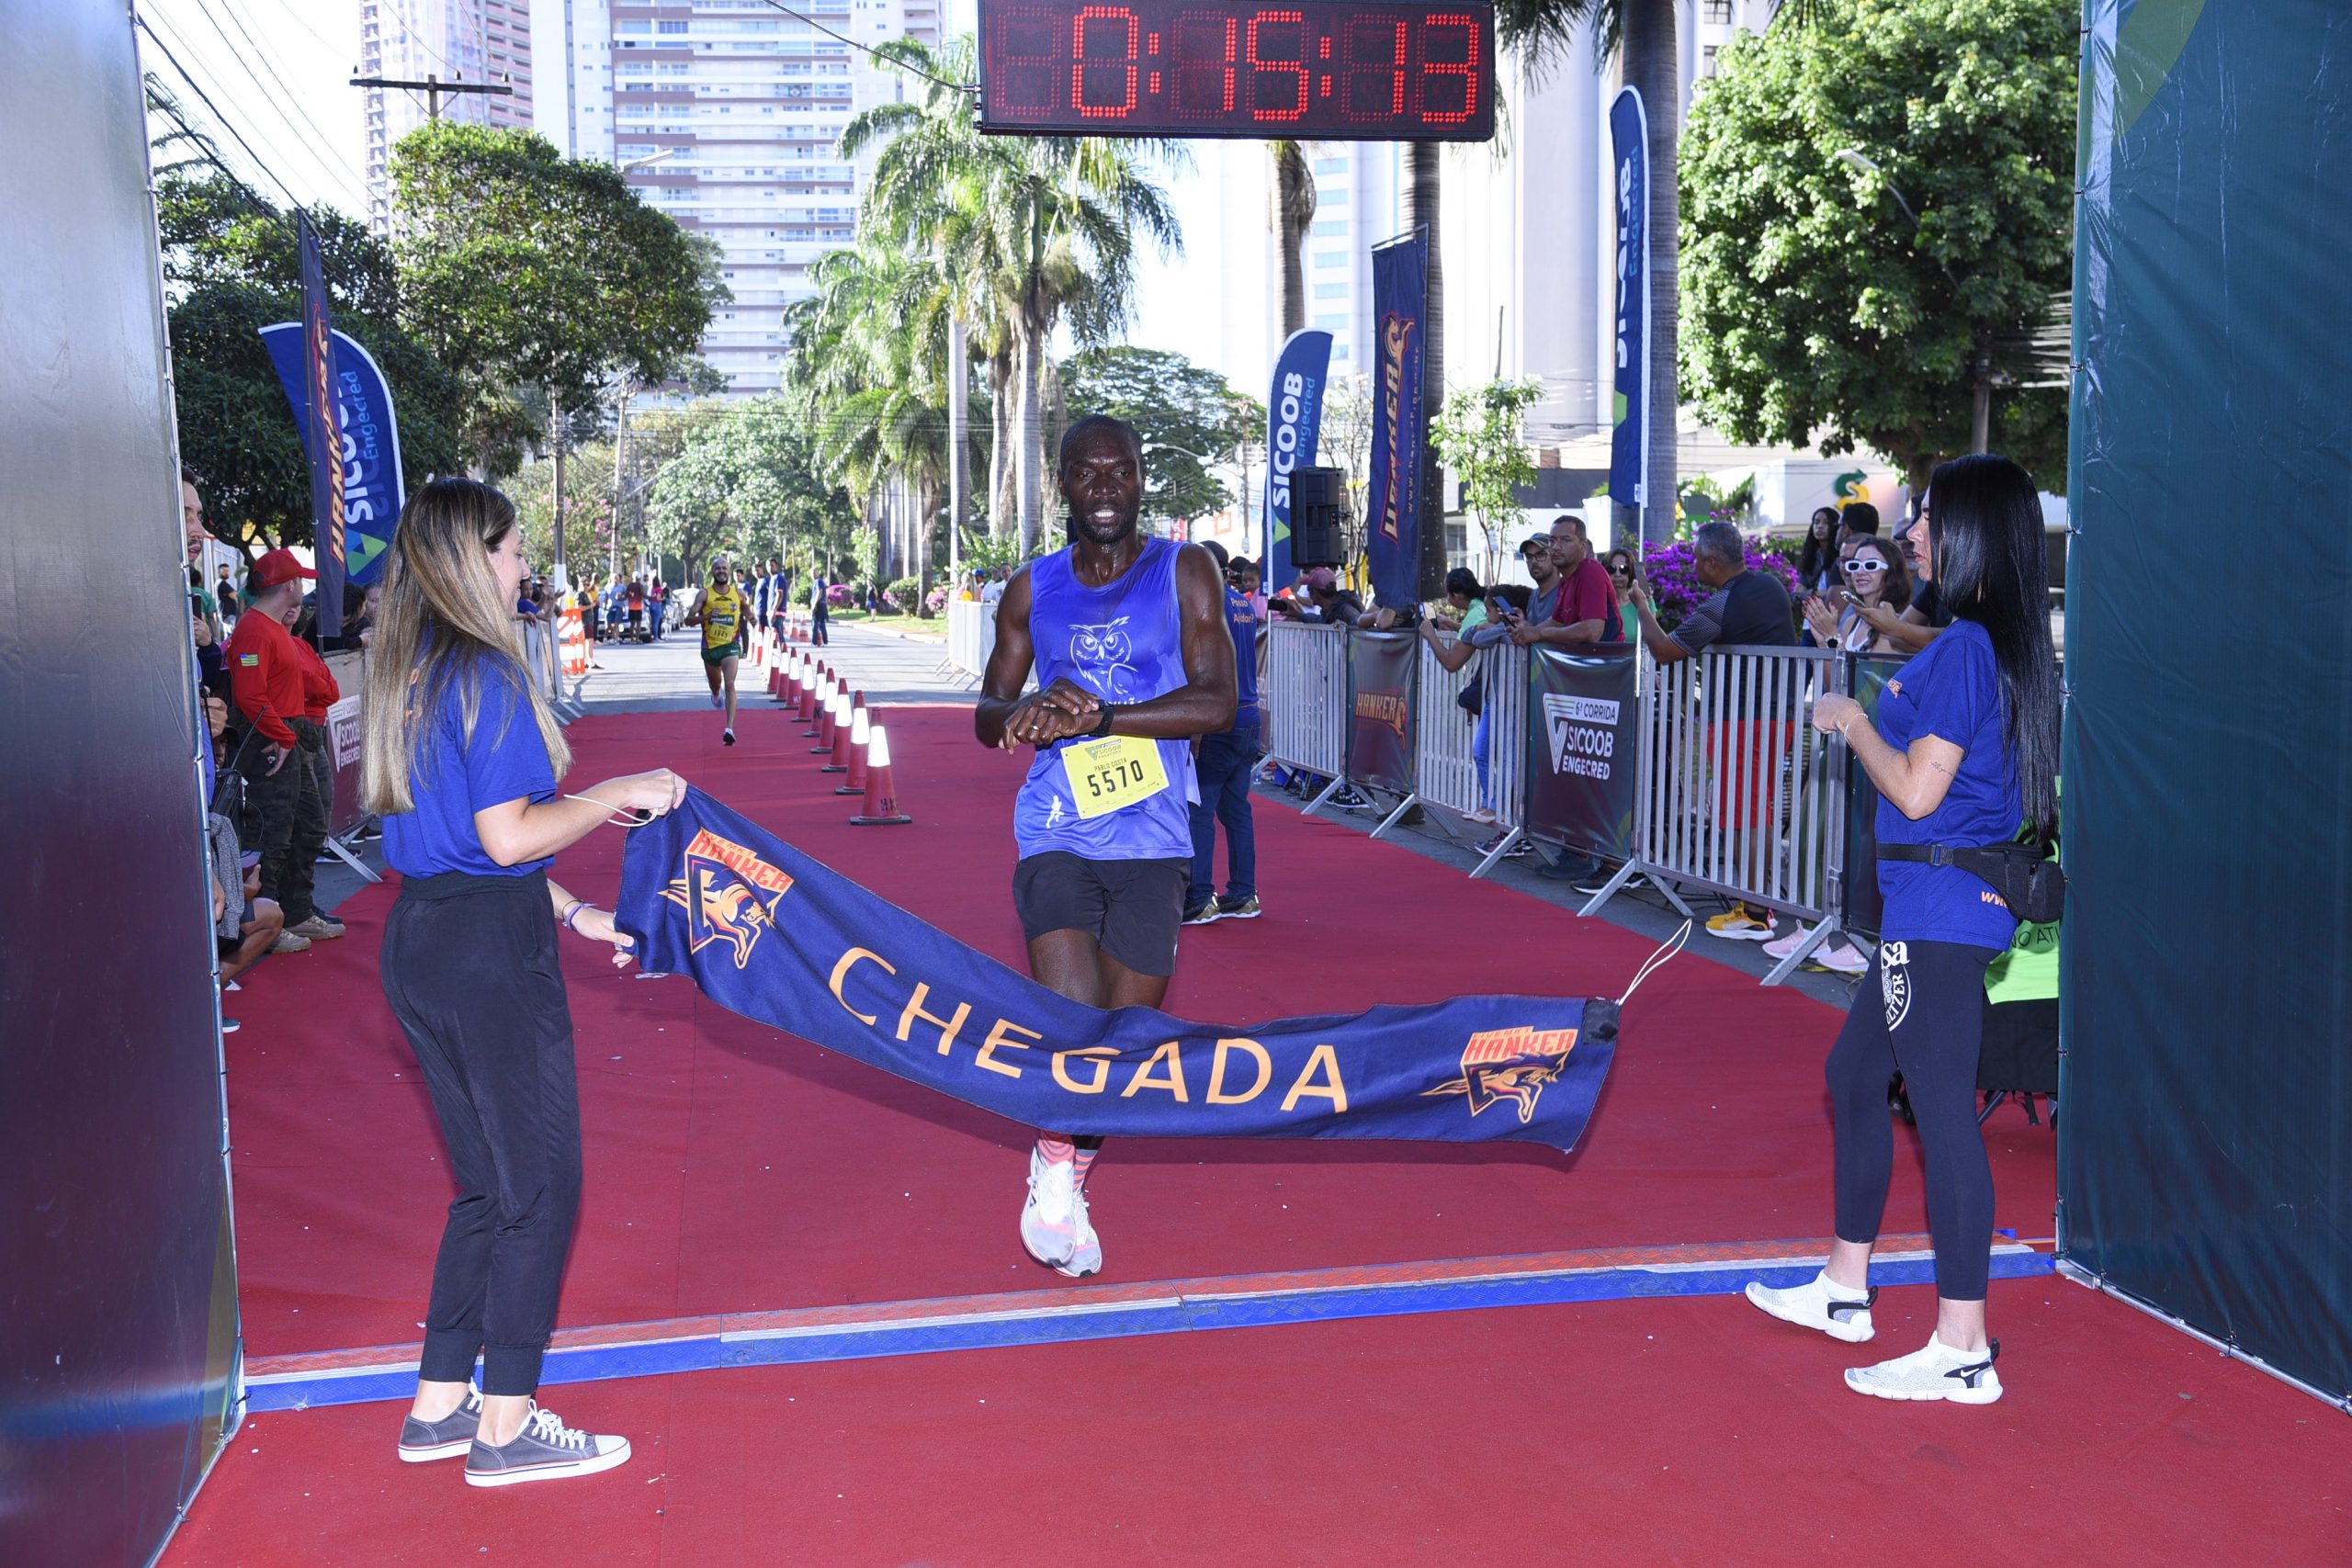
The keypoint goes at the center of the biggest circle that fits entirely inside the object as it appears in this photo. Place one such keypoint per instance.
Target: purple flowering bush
(838, 596)
(938, 600)
(1671, 571)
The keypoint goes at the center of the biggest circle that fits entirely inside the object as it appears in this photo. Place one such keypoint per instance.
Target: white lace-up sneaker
(1935, 1371)
(1052, 1213)
(1086, 1249)
(545, 1450)
(1818, 1304)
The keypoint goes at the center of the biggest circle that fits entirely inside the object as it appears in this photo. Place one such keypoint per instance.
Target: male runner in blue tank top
(1132, 660)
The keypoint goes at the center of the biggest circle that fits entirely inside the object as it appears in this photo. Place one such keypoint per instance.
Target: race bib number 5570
(1109, 773)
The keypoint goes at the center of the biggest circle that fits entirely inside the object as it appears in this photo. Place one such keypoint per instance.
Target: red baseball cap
(279, 565)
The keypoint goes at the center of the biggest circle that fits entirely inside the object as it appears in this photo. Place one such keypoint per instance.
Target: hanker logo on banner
(773, 935)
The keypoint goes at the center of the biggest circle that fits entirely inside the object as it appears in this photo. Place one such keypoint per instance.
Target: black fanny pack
(2025, 877)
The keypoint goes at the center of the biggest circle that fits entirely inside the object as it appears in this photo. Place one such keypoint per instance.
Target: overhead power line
(284, 95)
(222, 120)
(886, 60)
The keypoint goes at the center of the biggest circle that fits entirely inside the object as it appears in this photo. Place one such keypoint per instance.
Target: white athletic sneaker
(1935, 1371)
(1054, 1213)
(728, 736)
(1086, 1255)
(1819, 1305)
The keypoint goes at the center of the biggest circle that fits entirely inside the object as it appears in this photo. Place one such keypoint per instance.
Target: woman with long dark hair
(1817, 562)
(1874, 577)
(1965, 751)
(460, 758)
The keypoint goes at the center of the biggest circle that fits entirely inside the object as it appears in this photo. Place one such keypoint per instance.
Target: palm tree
(1293, 210)
(1641, 32)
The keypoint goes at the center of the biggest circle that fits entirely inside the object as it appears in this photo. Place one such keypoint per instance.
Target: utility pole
(433, 87)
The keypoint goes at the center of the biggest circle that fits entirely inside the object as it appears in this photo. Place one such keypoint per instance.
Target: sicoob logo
(1509, 1064)
(729, 893)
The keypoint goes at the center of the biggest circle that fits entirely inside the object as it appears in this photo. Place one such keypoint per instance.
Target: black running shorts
(1133, 909)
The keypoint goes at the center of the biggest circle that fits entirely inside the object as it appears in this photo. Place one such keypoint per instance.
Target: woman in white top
(1874, 574)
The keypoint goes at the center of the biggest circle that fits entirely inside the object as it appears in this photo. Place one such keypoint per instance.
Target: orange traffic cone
(881, 796)
(838, 762)
(811, 690)
(860, 736)
(830, 699)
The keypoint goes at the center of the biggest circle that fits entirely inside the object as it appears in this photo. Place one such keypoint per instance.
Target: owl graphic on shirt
(1106, 654)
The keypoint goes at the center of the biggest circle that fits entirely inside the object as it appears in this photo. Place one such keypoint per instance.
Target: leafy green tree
(1478, 433)
(1180, 409)
(1882, 211)
(522, 268)
(232, 266)
(746, 482)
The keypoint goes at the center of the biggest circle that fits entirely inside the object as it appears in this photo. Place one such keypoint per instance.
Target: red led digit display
(1314, 69)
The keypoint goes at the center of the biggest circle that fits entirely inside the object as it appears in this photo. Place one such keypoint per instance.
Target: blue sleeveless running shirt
(1125, 643)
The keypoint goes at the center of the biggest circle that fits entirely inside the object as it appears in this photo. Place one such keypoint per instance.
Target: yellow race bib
(1117, 770)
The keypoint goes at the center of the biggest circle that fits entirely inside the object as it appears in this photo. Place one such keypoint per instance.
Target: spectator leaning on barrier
(1748, 609)
(1624, 570)
(1583, 609)
(266, 683)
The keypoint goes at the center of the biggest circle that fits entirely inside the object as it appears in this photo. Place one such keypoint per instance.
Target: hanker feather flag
(773, 935)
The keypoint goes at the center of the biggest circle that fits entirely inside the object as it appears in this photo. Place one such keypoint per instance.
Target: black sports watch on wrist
(1102, 728)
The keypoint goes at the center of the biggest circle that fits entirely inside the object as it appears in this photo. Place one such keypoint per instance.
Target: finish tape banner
(1393, 507)
(1380, 690)
(370, 435)
(1583, 740)
(773, 935)
(1294, 426)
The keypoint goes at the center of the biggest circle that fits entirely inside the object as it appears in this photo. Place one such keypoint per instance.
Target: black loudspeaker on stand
(1319, 500)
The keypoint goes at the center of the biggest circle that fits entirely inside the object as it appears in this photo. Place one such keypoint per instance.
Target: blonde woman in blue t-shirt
(462, 760)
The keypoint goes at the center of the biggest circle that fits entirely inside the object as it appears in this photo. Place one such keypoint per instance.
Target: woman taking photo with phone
(461, 758)
(1964, 750)
(1875, 576)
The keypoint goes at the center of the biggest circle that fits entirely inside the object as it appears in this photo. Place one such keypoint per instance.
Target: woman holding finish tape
(461, 758)
(1964, 750)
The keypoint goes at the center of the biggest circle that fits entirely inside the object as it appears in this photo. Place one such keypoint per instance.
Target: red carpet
(733, 1169)
(730, 1167)
(1625, 1435)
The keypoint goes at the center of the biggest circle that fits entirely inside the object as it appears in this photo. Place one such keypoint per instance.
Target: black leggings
(1920, 1011)
(470, 968)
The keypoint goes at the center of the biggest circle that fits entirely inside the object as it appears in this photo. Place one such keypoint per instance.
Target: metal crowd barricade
(1445, 763)
(1304, 694)
(971, 637)
(1738, 795)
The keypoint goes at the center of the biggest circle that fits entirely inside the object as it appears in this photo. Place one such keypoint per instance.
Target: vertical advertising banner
(1293, 425)
(321, 441)
(369, 442)
(1629, 134)
(1583, 746)
(1393, 511)
(1380, 688)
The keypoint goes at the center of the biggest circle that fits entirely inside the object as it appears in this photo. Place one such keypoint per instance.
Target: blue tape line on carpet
(981, 1330)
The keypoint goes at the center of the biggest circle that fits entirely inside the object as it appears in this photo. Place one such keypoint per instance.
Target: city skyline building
(731, 111)
(451, 41)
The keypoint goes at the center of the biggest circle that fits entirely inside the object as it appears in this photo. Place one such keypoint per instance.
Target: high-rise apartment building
(453, 40)
(731, 111)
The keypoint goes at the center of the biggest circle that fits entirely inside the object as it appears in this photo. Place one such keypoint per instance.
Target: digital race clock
(1308, 70)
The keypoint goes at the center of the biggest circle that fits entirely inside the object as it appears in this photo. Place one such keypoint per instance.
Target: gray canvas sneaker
(423, 1441)
(546, 1449)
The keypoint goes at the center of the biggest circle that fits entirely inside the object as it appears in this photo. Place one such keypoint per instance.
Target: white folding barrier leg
(1337, 783)
(1510, 836)
(1396, 815)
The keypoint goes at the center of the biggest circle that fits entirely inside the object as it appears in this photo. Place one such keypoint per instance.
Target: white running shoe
(1819, 1305)
(1052, 1213)
(1935, 1371)
(1842, 958)
(1086, 1253)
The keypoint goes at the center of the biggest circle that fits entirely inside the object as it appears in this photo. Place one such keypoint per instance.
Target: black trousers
(1920, 1012)
(470, 968)
(816, 634)
(293, 816)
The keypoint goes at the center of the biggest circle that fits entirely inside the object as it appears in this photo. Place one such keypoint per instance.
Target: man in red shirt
(314, 808)
(266, 686)
(1586, 610)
